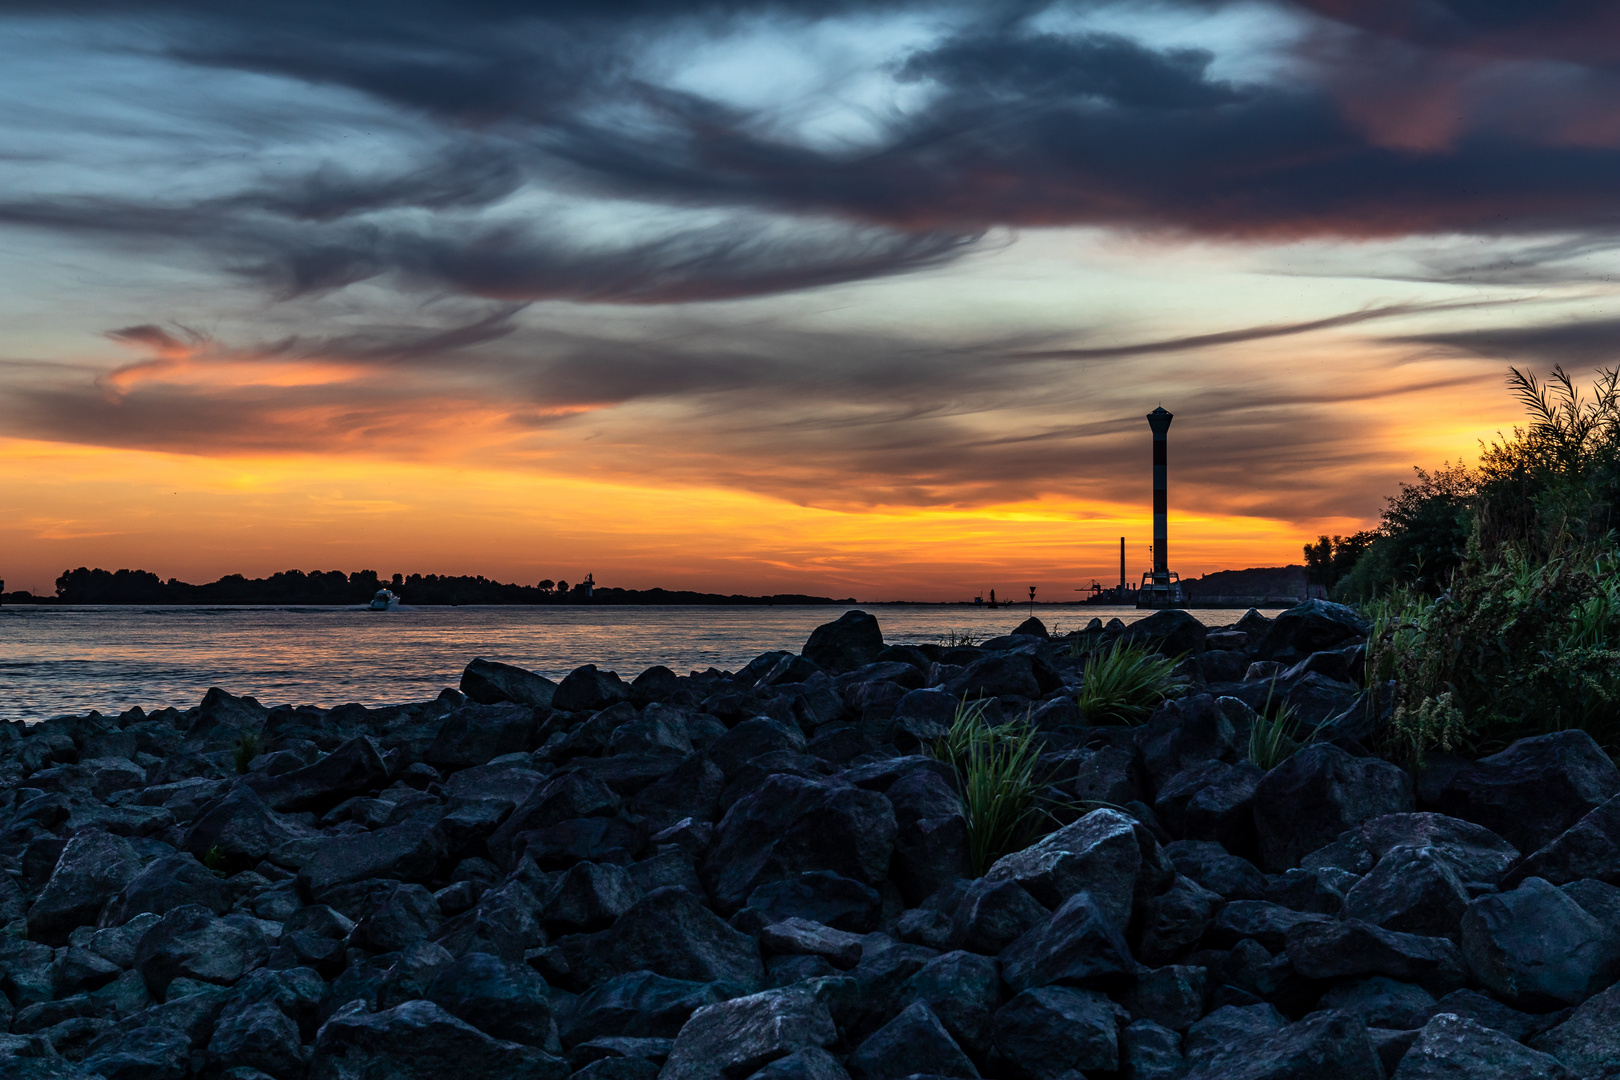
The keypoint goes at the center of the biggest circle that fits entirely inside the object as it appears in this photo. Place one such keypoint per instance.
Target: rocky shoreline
(762, 875)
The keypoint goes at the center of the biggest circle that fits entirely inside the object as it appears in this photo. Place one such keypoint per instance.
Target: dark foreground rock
(764, 875)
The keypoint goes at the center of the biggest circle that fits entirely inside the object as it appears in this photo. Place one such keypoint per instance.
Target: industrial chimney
(1160, 593)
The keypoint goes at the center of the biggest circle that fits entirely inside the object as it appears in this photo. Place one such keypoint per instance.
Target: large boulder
(409, 851)
(1172, 632)
(1327, 1044)
(1318, 793)
(1184, 733)
(1535, 789)
(913, 1043)
(1310, 627)
(1412, 889)
(636, 1005)
(1536, 947)
(490, 683)
(1080, 945)
(91, 868)
(1472, 851)
(354, 768)
(241, 829)
(567, 796)
(169, 882)
(1450, 1046)
(1007, 676)
(736, 1037)
(1590, 848)
(191, 942)
(475, 734)
(852, 640)
(498, 997)
(1589, 1040)
(585, 689)
(1106, 853)
(1049, 1032)
(668, 932)
(421, 1041)
(791, 824)
(1331, 949)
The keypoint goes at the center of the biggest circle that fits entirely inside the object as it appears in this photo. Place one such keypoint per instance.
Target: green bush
(1123, 684)
(1005, 800)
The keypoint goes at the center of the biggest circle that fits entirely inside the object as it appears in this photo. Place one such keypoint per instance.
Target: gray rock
(1102, 853)
(963, 990)
(488, 683)
(585, 689)
(1217, 870)
(1171, 996)
(1047, 1032)
(1337, 950)
(1172, 632)
(1079, 945)
(1473, 851)
(260, 1036)
(792, 824)
(168, 882)
(736, 1037)
(1381, 1001)
(1149, 1051)
(802, 937)
(1590, 848)
(1175, 920)
(668, 932)
(818, 895)
(410, 851)
(1472, 1005)
(475, 734)
(142, 1053)
(1318, 793)
(852, 641)
(1184, 733)
(588, 896)
(1310, 627)
(1588, 1042)
(406, 915)
(1537, 947)
(994, 914)
(1322, 1045)
(568, 796)
(90, 869)
(640, 1004)
(242, 830)
(354, 768)
(499, 997)
(1412, 889)
(913, 1042)
(1269, 924)
(811, 1064)
(191, 942)
(1535, 789)
(1450, 1046)
(420, 1041)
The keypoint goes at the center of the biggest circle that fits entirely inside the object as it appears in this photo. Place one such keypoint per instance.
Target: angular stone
(640, 1004)
(1269, 924)
(994, 914)
(242, 830)
(1149, 1051)
(1590, 848)
(790, 825)
(1535, 789)
(914, 1042)
(475, 734)
(568, 796)
(853, 640)
(1102, 853)
(1338, 950)
(1171, 997)
(260, 1036)
(1217, 870)
(407, 914)
(811, 1064)
(1537, 947)
(168, 882)
(1050, 1031)
(1412, 889)
(818, 895)
(499, 997)
(1184, 733)
(1310, 627)
(963, 990)
(1079, 945)
(1175, 920)
(588, 896)
(585, 689)
(489, 683)
(801, 937)
(1381, 1001)
(668, 932)
(409, 851)
(736, 1037)
(1322, 1045)
(1318, 793)
(1473, 851)
(354, 768)
(141, 1053)
(1450, 1046)
(420, 1041)
(91, 867)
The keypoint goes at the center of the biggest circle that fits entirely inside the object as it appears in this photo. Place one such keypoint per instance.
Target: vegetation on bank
(334, 587)
(1495, 589)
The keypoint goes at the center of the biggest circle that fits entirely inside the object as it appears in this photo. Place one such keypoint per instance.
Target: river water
(59, 660)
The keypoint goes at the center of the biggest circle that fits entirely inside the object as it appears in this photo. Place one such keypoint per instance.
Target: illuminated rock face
(770, 874)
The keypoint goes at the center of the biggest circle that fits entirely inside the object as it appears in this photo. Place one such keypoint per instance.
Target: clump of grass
(214, 859)
(1004, 798)
(247, 748)
(954, 639)
(1123, 684)
(1270, 740)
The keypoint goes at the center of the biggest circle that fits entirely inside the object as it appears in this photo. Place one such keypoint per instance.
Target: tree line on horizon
(334, 587)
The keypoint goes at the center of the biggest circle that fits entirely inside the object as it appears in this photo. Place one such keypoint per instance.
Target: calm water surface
(56, 660)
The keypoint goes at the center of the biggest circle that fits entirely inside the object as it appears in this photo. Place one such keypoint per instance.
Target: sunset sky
(847, 298)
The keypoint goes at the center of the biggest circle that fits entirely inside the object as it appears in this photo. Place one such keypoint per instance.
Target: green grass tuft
(1004, 798)
(1123, 684)
(247, 748)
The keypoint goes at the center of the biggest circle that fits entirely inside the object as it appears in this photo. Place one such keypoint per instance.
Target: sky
(848, 299)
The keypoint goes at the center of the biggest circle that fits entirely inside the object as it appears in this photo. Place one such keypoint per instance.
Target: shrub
(1005, 798)
(247, 748)
(1122, 684)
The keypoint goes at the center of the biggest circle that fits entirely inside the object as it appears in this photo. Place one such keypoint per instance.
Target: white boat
(384, 601)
